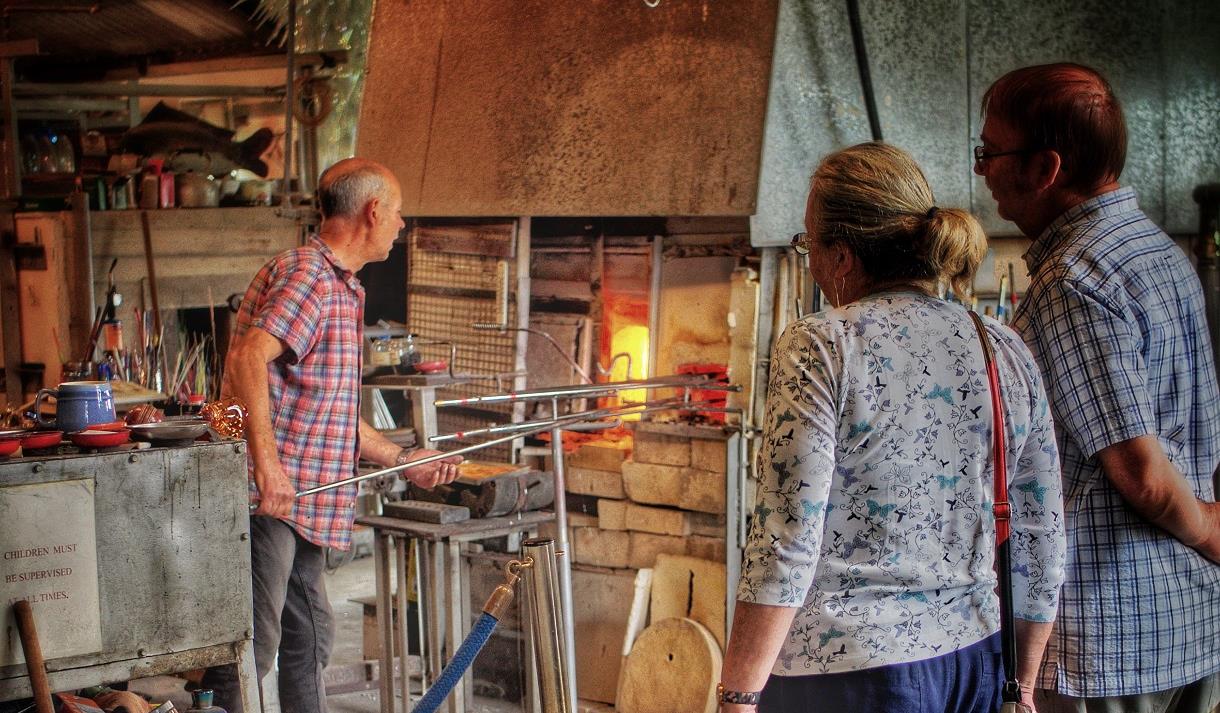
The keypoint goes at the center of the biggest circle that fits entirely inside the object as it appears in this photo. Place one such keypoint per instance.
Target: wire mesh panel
(448, 293)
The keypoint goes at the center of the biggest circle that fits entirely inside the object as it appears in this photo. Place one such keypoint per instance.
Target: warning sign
(48, 557)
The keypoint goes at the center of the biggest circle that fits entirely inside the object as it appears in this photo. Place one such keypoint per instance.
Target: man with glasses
(1114, 316)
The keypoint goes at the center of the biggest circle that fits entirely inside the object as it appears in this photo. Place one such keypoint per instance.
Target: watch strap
(747, 698)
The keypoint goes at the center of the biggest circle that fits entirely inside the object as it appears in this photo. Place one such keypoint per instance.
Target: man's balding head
(345, 188)
(1069, 108)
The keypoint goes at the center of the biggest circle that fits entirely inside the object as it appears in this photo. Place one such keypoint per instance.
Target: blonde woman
(868, 579)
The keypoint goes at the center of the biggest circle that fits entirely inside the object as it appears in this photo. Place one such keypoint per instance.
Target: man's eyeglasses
(981, 156)
(800, 243)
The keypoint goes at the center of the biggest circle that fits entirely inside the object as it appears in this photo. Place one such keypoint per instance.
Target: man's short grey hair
(349, 193)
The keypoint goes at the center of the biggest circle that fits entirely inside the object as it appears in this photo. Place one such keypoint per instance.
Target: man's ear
(372, 210)
(1045, 168)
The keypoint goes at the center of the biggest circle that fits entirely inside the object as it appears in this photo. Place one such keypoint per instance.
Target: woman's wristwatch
(724, 695)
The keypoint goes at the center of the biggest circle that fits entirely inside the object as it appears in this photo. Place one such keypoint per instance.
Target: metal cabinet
(172, 533)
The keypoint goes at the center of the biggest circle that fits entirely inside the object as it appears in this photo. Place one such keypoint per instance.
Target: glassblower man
(295, 361)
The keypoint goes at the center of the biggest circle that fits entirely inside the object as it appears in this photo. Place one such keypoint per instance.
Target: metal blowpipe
(575, 418)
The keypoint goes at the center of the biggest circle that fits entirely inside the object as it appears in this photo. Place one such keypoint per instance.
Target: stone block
(704, 547)
(580, 519)
(659, 521)
(644, 547)
(706, 523)
(612, 514)
(598, 483)
(601, 548)
(661, 449)
(601, 455)
(709, 455)
(684, 488)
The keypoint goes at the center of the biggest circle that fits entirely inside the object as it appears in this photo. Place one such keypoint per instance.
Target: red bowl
(9, 446)
(41, 439)
(431, 367)
(100, 439)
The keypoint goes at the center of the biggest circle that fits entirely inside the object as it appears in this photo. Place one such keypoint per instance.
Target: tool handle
(33, 657)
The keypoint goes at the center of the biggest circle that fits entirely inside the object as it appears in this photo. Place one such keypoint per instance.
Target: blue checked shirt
(1114, 317)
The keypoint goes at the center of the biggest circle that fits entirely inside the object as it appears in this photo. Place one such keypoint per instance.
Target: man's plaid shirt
(1114, 317)
(316, 308)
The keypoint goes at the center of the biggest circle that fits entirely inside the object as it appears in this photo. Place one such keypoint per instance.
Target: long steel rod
(577, 418)
(588, 389)
(620, 410)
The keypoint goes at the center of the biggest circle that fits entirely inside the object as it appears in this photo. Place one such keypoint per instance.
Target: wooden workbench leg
(461, 573)
(421, 606)
(436, 608)
(448, 566)
(385, 620)
(404, 626)
(247, 677)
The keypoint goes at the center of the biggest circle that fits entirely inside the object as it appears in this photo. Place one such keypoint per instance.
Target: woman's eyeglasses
(800, 243)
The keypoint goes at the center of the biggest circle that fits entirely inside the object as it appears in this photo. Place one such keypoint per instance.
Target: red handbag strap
(1001, 507)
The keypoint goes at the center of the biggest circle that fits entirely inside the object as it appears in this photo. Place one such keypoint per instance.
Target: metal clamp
(502, 595)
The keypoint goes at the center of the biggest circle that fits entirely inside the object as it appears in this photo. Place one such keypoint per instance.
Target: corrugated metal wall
(931, 62)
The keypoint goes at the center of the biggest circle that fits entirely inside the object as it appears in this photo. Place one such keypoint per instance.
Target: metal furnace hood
(605, 107)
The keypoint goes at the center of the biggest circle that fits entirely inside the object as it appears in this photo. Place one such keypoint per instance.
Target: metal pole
(565, 422)
(594, 389)
(546, 423)
(866, 77)
(289, 102)
(547, 627)
(561, 542)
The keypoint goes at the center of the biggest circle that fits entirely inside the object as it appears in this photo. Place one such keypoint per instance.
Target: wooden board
(690, 587)
(475, 472)
(601, 624)
(673, 668)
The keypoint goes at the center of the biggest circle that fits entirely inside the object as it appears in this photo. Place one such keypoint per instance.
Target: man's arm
(381, 450)
(1141, 472)
(246, 371)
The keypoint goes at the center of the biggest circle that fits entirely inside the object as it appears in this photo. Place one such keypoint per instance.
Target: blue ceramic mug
(78, 405)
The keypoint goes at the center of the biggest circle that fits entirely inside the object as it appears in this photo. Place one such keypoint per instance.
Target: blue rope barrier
(470, 648)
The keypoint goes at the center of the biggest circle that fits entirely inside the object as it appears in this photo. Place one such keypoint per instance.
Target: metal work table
(446, 596)
(167, 531)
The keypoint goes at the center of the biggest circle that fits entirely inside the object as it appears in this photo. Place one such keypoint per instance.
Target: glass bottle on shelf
(410, 356)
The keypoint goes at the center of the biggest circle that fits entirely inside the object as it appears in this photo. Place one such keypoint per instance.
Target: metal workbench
(445, 585)
(172, 562)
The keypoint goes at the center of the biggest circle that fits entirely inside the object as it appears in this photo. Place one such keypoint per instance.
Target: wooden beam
(229, 64)
(18, 48)
(10, 314)
(118, 89)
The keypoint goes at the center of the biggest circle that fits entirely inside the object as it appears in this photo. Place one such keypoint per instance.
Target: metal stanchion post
(562, 545)
(548, 635)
